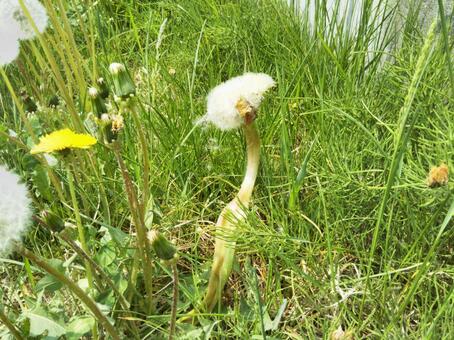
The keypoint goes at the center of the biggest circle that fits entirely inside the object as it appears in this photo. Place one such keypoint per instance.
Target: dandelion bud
(103, 88)
(15, 211)
(97, 103)
(54, 101)
(123, 84)
(164, 249)
(54, 222)
(29, 103)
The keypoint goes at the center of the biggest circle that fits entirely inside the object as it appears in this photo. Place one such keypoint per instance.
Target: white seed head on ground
(15, 209)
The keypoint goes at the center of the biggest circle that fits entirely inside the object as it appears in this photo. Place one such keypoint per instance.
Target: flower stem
(137, 217)
(146, 161)
(232, 214)
(80, 230)
(71, 285)
(10, 326)
(173, 318)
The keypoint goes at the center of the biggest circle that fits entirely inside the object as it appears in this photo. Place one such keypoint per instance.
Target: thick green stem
(10, 326)
(232, 214)
(91, 305)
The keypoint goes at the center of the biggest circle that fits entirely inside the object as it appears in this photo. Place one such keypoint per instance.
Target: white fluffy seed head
(15, 209)
(15, 26)
(9, 49)
(14, 20)
(222, 101)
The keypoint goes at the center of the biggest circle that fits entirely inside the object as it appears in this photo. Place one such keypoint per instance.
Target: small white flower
(15, 26)
(15, 210)
(223, 100)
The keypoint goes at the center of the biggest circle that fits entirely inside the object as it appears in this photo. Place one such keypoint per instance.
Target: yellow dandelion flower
(61, 140)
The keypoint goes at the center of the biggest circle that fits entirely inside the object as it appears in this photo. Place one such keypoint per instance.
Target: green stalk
(400, 143)
(232, 214)
(10, 326)
(146, 161)
(444, 30)
(82, 240)
(173, 318)
(139, 224)
(72, 286)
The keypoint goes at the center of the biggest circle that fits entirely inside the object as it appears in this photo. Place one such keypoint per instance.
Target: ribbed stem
(44, 265)
(224, 249)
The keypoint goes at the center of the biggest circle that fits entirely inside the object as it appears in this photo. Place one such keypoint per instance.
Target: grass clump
(343, 236)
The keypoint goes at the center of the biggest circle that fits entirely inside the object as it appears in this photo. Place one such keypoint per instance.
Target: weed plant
(343, 237)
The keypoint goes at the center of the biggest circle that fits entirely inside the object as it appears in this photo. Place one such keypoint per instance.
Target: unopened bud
(97, 103)
(164, 249)
(54, 101)
(53, 221)
(103, 88)
(123, 84)
(29, 103)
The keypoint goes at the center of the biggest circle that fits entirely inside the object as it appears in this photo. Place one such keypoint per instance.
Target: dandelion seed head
(222, 101)
(15, 26)
(15, 209)
(14, 21)
(9, 50)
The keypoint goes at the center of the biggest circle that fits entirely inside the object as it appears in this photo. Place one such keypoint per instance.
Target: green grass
(340, 207)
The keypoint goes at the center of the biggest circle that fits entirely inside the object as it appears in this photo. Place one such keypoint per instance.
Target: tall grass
(343, 229)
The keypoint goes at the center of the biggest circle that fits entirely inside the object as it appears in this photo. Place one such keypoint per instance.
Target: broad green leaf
(49, 282)
(43, 322)
(79, 326)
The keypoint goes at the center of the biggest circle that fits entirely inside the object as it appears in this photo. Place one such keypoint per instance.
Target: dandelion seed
(15, 209)
(235, 102)
(61, 140)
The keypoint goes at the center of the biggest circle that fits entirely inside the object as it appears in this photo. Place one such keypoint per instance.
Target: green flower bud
(123, 84)
(54, 101)
(103, 88)
(105, 124)
(97, 103)
(29, 103)
(164, 249)
(54, 222)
